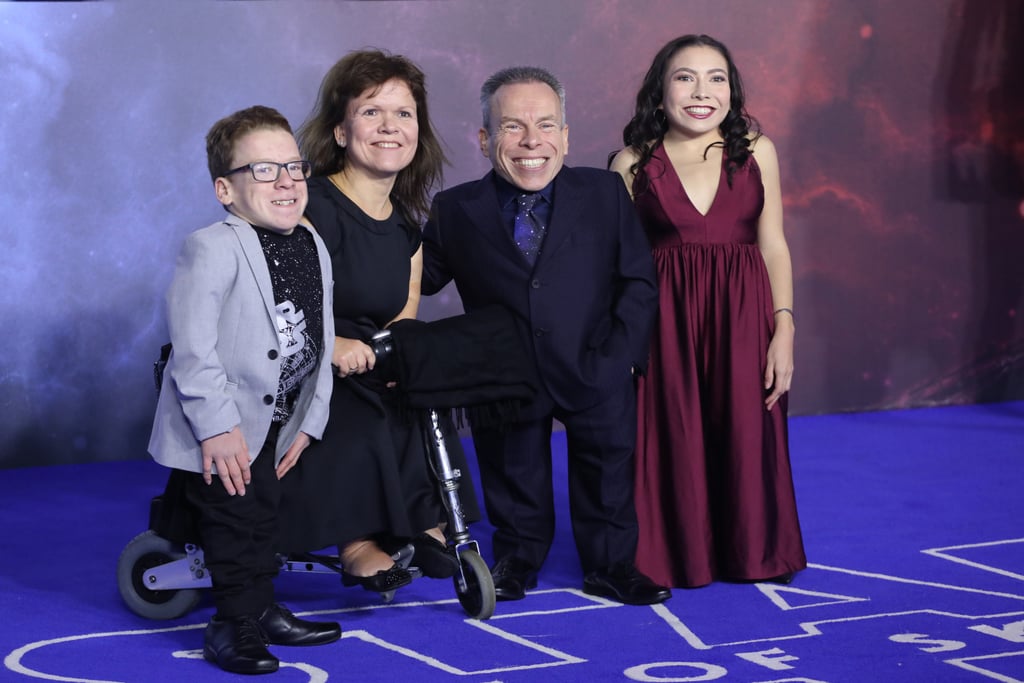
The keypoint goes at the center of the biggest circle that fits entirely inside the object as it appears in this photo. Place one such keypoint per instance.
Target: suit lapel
(257, 260)
(485, 215)
(565, 216)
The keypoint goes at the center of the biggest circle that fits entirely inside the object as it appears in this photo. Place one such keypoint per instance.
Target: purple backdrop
(898, 128)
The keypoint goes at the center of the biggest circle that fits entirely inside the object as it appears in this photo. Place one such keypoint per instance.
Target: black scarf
(475, 364)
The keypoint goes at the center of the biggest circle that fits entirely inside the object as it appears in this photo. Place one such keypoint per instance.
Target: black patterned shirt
(298, 292)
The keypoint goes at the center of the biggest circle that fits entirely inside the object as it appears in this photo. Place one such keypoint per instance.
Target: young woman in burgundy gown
(714, 492)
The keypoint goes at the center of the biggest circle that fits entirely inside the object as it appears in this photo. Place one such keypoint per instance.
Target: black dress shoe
(281, 627)
(383, 581)
(512, 578)
(236, 645)
(627, 585)
(783, 579)
(435, 559)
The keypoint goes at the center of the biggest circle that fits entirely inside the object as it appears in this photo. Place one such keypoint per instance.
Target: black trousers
(516, 474)
(239, 535)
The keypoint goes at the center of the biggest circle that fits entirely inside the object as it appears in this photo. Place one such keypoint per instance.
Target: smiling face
(277, 206)
(380, 131)
(696, 92)
(528, 139)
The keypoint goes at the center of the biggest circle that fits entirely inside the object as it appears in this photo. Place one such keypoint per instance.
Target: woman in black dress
(375, 158)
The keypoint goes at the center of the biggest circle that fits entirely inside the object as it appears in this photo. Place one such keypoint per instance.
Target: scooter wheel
(145, 551)
(475, 586)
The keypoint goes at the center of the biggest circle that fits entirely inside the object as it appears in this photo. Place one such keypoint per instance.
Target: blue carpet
(913, 523)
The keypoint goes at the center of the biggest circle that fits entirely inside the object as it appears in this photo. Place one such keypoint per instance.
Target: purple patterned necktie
(529, 232)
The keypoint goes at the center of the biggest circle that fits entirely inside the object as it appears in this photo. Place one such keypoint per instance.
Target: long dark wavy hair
(647, 128)
(350, 77)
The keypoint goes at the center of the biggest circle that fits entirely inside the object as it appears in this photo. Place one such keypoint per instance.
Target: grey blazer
(226, 361)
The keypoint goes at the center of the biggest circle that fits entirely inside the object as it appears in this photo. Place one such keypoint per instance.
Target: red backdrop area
(898, 124)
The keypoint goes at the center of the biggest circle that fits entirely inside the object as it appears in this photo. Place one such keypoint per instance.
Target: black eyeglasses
(270, 171)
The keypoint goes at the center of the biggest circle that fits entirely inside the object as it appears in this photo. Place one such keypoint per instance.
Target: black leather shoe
(782, 579)
(435, 559)
(382, 582)
(236, 645)
(627, 585)
(281, 627)
(512, 578)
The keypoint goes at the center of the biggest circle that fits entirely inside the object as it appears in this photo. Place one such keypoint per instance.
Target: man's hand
(231, 455)
(292, 456)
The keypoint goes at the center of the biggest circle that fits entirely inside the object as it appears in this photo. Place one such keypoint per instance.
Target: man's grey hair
(518, 74)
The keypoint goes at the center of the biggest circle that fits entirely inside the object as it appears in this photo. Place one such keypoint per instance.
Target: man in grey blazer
(248, 383)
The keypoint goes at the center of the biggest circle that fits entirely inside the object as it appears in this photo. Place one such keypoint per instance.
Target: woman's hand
(778, 375)
(351, 357)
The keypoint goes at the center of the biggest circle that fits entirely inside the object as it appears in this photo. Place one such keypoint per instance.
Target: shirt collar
(507, 192)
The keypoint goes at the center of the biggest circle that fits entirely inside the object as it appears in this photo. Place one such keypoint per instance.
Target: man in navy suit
(562, 248)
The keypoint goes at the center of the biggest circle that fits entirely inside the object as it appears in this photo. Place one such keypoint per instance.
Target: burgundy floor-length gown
(714, 492)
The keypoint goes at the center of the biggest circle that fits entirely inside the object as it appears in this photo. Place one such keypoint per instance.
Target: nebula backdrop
(898, 127)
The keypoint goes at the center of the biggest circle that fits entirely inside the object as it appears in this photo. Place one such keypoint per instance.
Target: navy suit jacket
(586, 307)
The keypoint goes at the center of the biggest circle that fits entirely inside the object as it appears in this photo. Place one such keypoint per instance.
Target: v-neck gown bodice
(714, 492)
